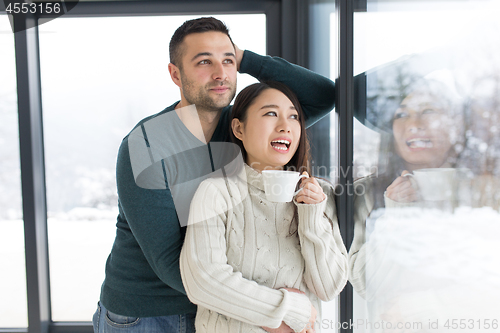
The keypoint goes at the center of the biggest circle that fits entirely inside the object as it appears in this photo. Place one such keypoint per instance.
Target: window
(430, 72)
(100, 76)
(13, 304)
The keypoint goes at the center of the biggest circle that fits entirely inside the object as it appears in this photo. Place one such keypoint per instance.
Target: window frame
(287, 36)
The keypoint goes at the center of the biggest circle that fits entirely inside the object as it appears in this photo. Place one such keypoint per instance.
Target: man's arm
(315, 92)
(152, 219)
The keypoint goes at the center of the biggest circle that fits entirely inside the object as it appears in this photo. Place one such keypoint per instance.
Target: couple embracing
(243, 263)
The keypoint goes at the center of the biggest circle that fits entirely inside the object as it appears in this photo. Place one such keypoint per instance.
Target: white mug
(279, 185)
(435, 184)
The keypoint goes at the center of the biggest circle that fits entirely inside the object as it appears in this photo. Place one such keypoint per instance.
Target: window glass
(13, 306)
(323, 50)
(100, 76)
(426, 149)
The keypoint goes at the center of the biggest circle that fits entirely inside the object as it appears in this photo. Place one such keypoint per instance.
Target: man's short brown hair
(203, 24)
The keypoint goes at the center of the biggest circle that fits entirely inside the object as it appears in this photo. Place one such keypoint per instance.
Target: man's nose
(219, 73)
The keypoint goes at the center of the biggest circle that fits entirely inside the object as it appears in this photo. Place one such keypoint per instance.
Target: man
(143, 291)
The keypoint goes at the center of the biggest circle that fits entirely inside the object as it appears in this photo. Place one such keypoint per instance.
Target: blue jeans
(105, 321)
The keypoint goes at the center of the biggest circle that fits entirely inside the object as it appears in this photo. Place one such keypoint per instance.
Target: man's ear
(175, 74)
(237, 127)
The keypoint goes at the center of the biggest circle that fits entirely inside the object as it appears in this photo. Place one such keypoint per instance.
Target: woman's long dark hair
(300, 160)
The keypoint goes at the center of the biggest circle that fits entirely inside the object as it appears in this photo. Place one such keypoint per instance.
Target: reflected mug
(435, 184)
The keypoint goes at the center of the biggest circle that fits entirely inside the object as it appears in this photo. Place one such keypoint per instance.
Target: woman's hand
(402, 189)
(310, 326)
(284, 328)
(311, 192)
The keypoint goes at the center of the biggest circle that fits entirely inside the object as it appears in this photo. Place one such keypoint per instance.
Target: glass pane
(322, 59)
(427, 151)
(13, 306)
(100, 76)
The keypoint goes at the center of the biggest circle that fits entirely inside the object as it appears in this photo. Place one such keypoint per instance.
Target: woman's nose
(415, 123)
(283, 126)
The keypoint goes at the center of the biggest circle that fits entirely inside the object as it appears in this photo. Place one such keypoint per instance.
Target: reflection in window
(13, 306)
(423, 240)
(100, 76)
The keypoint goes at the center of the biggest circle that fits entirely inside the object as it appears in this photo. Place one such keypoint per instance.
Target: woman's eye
(295, 116)
(400, 115)
(428, 111)
(271, 113)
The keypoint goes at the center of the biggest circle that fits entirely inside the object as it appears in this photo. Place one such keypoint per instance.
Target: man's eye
(204, 62)
(228, 61)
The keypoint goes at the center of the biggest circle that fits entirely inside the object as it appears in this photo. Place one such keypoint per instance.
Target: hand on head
(239, 56)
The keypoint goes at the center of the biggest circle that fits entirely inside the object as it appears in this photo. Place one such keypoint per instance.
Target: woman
(393, 257)
(251, 264)
(424, 132)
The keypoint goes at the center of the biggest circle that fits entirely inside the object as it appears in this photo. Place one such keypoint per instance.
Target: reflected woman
(425, 132)
(416, 264)
(425, 135)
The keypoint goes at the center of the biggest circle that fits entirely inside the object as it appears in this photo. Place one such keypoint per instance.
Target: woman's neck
(261, 166)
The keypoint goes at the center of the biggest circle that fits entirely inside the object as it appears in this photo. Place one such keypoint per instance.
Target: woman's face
(421, 130)
(270, 132)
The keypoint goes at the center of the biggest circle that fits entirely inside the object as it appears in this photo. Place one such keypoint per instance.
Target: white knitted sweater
(240, 250)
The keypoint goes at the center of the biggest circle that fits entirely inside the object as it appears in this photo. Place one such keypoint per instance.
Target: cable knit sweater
(241, 250)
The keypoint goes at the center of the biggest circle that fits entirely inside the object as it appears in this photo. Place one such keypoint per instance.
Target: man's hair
(203, 24)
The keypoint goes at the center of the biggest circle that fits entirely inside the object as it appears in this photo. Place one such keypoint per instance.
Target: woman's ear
(237, 127)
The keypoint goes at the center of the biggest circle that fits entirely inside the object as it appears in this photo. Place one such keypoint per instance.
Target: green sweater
(142, 271)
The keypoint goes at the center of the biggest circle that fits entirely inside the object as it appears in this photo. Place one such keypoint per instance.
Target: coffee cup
(280, 185)
(435, 184)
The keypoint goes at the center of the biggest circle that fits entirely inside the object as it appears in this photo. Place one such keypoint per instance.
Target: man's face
(208, 71)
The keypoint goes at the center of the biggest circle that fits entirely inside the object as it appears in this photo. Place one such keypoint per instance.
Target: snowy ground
(461, 247)
(77, 252)
(79, 243)
(429, 266)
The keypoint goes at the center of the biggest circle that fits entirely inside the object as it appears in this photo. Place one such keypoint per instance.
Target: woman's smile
(281, 145)
(419, 143)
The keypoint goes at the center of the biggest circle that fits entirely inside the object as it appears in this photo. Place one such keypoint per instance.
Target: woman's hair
(300, 160)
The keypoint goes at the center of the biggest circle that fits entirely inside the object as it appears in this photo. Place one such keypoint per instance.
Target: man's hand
(239, 56)
(402, 190)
